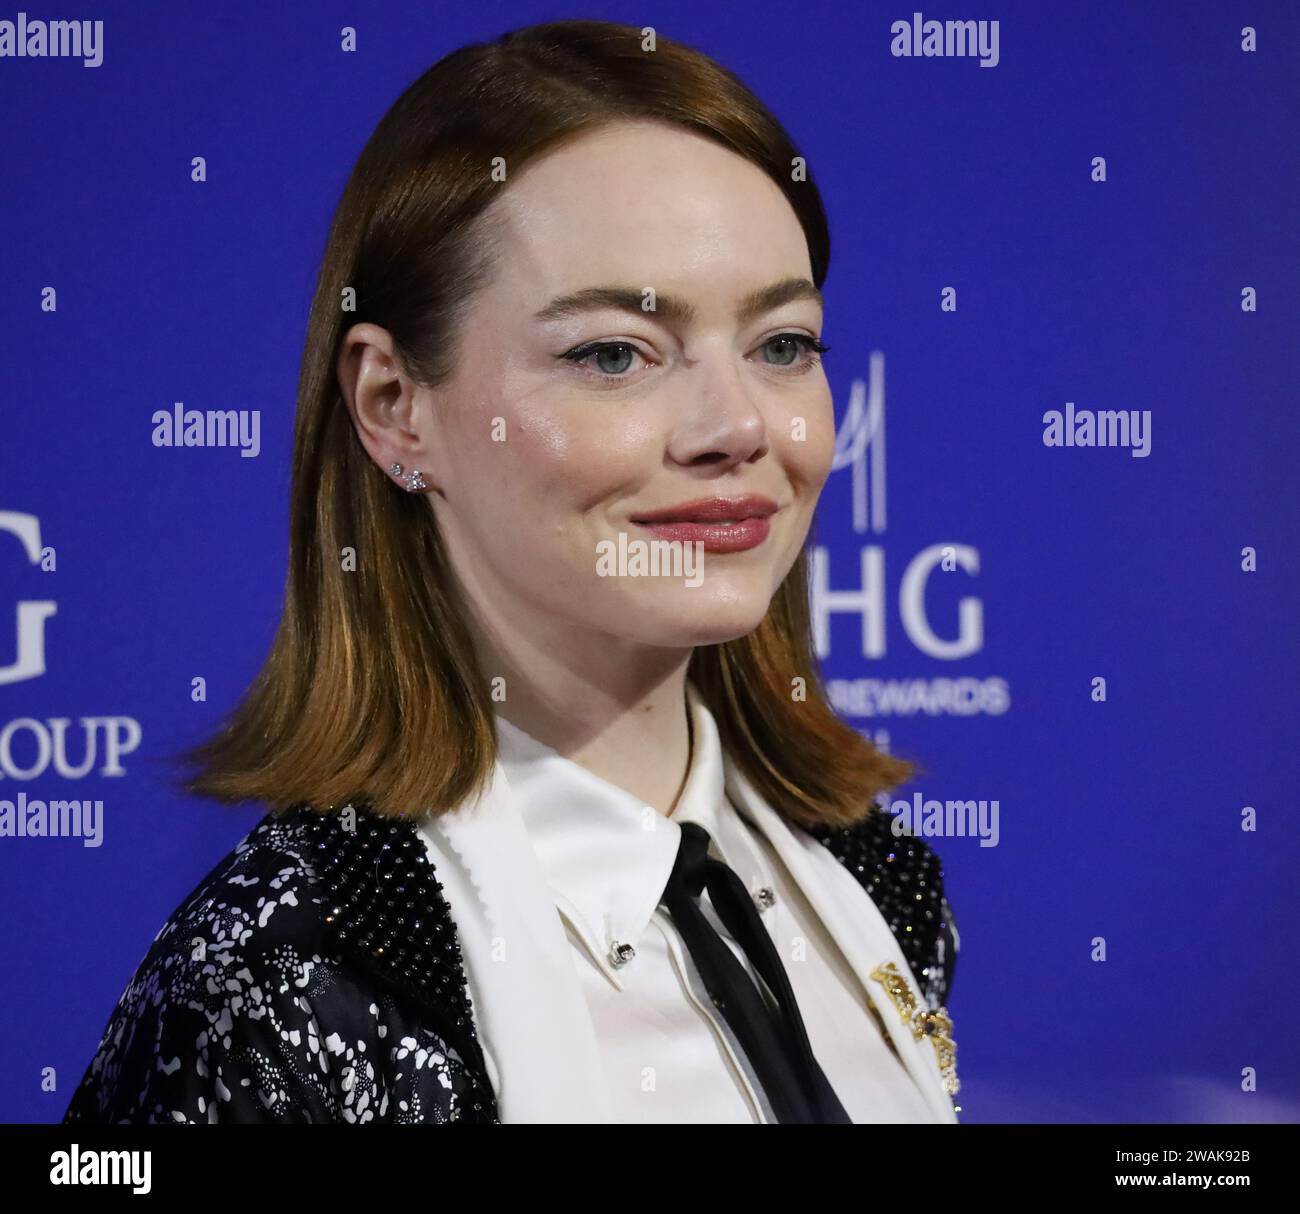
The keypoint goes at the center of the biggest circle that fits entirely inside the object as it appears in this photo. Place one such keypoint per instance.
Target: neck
(616, 709)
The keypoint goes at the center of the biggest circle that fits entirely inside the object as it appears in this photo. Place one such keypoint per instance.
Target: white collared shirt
(665, 1053)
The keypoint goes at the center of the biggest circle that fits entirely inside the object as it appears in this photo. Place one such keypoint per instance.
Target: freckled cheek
(807, 464)
(571, 472)
(816, 453)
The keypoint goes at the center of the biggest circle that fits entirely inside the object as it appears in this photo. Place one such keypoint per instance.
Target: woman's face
(543, 457)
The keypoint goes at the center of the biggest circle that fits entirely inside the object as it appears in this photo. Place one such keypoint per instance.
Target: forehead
(646, 204)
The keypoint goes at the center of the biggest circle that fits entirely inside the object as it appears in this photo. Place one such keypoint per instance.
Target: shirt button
(765, 898)
(620, 954)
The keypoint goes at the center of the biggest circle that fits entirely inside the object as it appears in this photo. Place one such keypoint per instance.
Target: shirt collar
(605, 855)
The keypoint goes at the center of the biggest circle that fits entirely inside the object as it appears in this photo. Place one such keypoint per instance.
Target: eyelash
(813, 350)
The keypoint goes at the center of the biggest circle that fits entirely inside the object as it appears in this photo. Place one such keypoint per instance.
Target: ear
(385, 404)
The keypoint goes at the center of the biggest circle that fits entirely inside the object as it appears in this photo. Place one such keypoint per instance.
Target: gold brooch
(922, 1022)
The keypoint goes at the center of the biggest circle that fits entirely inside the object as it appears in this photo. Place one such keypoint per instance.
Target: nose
(722, 421)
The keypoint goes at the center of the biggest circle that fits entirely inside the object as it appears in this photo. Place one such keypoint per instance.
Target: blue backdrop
(1128, 934)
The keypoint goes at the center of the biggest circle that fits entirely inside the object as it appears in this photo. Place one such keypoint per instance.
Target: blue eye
(609, 355)
(793, 342)
(612, 358)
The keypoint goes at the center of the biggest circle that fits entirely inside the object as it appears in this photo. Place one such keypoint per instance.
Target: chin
(707, 620)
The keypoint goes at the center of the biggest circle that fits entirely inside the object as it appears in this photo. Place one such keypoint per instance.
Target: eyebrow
(673, 308)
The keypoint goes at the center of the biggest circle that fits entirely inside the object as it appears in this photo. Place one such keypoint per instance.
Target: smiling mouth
(717, 535)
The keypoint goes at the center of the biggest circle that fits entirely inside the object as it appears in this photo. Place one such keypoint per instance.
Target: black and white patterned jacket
(314, 975)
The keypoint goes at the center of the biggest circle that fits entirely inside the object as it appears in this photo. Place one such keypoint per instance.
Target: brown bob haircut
(372, 691)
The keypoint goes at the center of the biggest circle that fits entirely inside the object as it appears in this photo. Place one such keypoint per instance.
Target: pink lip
(700, 522)
(716, 537)
(710, 509)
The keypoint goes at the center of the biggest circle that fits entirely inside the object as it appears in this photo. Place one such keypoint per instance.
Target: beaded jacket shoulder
(904, 878)
(266, 996)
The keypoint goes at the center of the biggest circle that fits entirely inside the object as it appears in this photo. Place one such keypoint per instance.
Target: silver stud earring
(413, 481)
